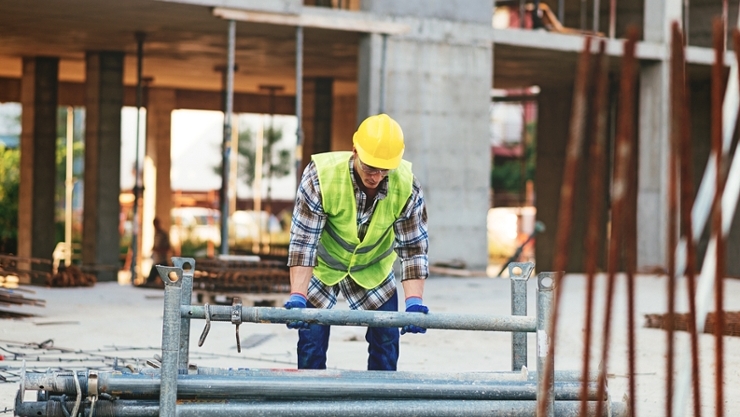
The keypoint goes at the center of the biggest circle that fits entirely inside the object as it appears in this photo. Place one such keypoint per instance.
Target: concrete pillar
(157, 200)
(700, 101)
(323, 105)
(344, 119)
(553, 120)
(369, 75)
(654, 139)
(438, 83)
(307, 122)
(39, 92)
(104, 100)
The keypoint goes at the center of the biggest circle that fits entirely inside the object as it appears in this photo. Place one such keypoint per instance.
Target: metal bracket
(236, 319)
(525, 267)
(206, 329)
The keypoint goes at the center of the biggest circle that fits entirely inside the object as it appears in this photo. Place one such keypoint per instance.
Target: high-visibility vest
(340, 251)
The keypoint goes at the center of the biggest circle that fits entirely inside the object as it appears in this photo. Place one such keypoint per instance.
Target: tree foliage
(507, 176)
(276, 161)
(10, 178)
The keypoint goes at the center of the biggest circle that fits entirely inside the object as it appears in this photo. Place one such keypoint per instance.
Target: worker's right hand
(296, 300)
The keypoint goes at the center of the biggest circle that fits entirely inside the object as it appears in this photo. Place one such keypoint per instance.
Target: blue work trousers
(382, 350)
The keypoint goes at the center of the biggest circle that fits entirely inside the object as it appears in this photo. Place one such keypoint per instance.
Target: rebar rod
(717, 83)
(623, 154)
(367, 318)
(519, 308)
(361, 408)
(595, 229)
(313, 387)
(677, 95)
(565, 211)
(686, 235)
(699, 216)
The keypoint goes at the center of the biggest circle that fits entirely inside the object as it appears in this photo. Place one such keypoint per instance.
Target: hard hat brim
(379, 163)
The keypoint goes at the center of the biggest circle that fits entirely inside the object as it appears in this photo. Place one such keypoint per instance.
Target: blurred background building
(134, 94)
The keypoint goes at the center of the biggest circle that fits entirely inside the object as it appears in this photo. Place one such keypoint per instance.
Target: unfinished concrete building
(431, 64)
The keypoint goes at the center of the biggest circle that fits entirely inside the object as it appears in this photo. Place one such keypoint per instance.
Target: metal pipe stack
(178, 389)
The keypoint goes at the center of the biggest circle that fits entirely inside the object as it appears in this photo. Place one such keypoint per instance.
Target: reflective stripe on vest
(340, 251)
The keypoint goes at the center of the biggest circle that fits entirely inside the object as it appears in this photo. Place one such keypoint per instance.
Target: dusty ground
(130, 319)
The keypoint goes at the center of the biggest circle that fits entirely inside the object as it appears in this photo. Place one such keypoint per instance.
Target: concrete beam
(645, 50)
(318, 17)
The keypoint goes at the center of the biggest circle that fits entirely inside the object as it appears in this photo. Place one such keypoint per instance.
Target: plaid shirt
(412, 241)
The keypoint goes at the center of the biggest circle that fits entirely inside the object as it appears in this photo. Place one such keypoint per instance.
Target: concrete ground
(126, 322)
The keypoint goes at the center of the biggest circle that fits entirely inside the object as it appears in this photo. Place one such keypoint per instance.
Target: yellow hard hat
(379, 142)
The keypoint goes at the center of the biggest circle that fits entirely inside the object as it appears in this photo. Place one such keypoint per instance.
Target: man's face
(370, 176)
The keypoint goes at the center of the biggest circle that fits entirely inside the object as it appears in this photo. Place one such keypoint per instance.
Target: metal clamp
(236, 319)
(92, 390)
(206, 329)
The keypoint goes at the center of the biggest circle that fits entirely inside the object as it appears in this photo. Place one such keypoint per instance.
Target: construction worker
(355, 212)
(161, 250)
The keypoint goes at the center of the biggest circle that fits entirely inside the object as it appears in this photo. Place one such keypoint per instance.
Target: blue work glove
(414, 305)
(296, 300)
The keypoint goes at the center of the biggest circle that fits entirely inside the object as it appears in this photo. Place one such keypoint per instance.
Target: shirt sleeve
(412, 239)
(308, 220)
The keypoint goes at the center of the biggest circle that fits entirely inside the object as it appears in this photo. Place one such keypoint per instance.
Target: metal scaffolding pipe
(188, 270)
(62, 381)
(298, 102)
(172, 277)
(366, 318)
(135, 230)
(563, 375)
(282, 387)
(362, 408)
(519, 274)
(545, 284)
(226, 144)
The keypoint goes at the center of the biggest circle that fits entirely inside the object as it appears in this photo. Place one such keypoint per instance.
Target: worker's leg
(383, 342)
(313, 343)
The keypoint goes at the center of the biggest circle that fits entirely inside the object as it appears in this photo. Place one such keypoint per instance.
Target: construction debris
(731, 325)
(12, 295)
(71, 276)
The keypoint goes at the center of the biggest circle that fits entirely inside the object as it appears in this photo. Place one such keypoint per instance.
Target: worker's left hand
(414, 305)
(296, 300)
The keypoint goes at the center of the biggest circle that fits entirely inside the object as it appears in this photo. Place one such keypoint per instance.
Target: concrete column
(369, 75)
(553, 120)
(438, 83)
(654, 139)
(39, 92)
(700, 96)
(104, 100)
(307, 122)
(344, 119)
(323, 114)
(157, 200)
(317, 116)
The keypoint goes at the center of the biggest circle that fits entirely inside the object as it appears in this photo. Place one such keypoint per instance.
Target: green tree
(507, 176)
(10, 179)
(276, 161)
